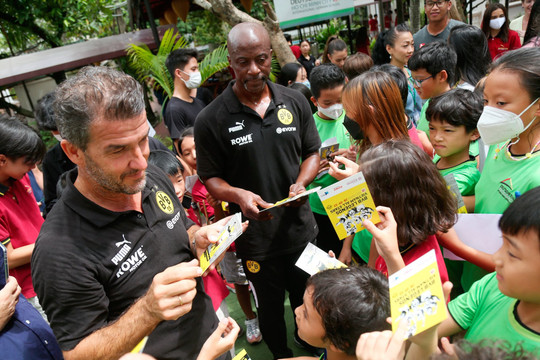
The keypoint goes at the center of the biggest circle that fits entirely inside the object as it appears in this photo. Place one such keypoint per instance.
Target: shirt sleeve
(211, 160)
(75, 302)
(515, 42)
(311, 141)
(463, 309)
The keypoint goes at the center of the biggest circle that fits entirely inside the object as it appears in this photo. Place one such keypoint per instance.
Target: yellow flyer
(416, 295)
(242, 355)
(231, 231)
(348, 203)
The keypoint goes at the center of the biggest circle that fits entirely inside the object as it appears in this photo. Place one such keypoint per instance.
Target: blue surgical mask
(307, 83)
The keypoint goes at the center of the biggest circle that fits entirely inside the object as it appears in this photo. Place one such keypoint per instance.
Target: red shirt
(498, 47)
(387, 21)
(372, 24)
(20, 222)
(296, 51)
(417, 251)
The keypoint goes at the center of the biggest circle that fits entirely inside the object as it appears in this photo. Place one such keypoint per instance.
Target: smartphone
(4, 269)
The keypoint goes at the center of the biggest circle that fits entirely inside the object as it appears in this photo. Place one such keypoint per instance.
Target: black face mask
(353, 128)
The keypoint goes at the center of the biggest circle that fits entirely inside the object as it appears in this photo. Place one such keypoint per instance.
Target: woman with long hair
(532, 35)
(495, 26)
(335, 51)
(473, 58)
(396, 46)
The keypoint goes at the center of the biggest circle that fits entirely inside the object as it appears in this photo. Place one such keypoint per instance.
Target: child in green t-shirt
(452, 119)
(505, 305)
(433, 71)
(327, 82)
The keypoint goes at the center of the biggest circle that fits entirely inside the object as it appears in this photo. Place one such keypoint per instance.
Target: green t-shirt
(328, 129)
(486, 313)
(466, 175)
(362, 244)
(503, 177)
(423, 124)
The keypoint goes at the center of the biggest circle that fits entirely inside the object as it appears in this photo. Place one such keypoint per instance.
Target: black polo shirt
(91, 264)
(262, 155)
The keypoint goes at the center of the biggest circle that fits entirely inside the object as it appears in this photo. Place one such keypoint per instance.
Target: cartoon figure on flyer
(355, 217)
(420, 307)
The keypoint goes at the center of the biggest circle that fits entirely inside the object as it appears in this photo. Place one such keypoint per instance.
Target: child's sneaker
(253, 333)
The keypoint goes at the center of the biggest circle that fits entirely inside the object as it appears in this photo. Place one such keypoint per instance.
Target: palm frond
(214, 62)
(276, 69)
(153, 66)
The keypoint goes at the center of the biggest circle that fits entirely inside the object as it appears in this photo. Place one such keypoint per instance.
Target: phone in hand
(4, 269)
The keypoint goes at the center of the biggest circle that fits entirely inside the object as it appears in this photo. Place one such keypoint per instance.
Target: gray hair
(95, 92)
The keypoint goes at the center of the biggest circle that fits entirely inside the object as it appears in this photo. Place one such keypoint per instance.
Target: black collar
(234, 105)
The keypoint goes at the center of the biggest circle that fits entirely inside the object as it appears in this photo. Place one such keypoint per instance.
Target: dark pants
(271, 278)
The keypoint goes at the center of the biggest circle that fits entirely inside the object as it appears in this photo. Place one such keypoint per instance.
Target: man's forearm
(117, 338)
(308, 169)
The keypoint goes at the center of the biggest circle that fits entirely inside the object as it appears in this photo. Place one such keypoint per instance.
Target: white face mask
(497, 23)
(497, 125)
(194, 80)
(332, 112)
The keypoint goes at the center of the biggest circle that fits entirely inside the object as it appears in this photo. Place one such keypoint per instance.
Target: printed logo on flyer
(253, 266)
(164, 202)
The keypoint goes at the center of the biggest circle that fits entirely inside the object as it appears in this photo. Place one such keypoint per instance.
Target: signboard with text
(300, 12)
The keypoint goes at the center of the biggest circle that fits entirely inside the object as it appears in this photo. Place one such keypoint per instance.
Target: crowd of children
(408, 123)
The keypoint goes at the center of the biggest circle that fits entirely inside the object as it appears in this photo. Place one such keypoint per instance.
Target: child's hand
(382, 345)
(351, 168)
(221, 340)
(385, 239)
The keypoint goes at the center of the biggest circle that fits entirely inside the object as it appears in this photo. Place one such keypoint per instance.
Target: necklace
(507, 145)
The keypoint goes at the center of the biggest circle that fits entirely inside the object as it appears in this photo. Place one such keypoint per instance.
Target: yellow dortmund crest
(285, 116)
(253, 266)
(164, 202)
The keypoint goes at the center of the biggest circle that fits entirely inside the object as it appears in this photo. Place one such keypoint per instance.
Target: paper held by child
(328, 147)
(312, 260)
(416, 295)
(291, 199)
(348, 203)
(242, 355)
(231, 231)
(452, 185)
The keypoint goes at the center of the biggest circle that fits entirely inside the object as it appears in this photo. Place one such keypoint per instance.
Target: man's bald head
(247, 34)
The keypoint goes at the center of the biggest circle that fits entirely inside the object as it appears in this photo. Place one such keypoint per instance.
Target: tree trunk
(415, 15)
(229, 13)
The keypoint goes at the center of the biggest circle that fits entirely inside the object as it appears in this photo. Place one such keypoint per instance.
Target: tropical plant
(333, 28)
(214, 62)
(150, 66)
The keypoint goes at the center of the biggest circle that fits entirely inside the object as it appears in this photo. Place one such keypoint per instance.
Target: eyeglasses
(430, 4)
(418, 83)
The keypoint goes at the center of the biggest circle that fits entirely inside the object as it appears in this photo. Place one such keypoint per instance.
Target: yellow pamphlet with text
(416, 295)
(231, 231)
(242, 355)
(348, 203)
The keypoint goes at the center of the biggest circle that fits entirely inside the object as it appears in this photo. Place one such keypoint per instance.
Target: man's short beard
(109, 182)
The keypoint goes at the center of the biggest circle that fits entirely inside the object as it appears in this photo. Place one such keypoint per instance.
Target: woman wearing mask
(496, 29)
(293, 73)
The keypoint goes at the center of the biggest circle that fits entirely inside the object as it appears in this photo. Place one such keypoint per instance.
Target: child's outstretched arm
(382, 345)
(385, 239)
(451, 241)
(220, 341)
